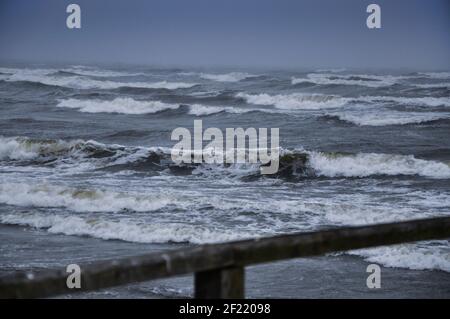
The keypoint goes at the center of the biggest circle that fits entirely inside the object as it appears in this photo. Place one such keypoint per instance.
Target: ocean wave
(297, 163)
(379, 118)
(118, 105)
(227, 77)
(319, 101)
(126, 230)
(202, 110)
(425, 255)
(79, 199)
(370, 80)
(79, 155)
(295, 100)
(358, 212)
(415, 101)
(22, 148)
(332, 70)
(348, 79)
(436, 75)
(48, 77)
(372, 164)
(76, 155)
(94, 72)
(435, 255)
(131, 106)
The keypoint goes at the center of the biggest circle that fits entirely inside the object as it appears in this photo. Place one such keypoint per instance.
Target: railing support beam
(223, 283)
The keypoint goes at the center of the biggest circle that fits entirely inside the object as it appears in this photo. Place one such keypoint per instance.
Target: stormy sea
(86, 172)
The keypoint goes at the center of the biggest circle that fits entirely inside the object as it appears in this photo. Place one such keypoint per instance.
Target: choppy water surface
(85, 150)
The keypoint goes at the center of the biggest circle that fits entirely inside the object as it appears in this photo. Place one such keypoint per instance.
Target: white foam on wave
(45, 76)
(383, 118)
(12, 149)
(295, 101)
(226, 77)
(17, 148)
(368, 80)
(118, 105)
(335, 70)
(359, 209)
(368, 164)
(69, 157)
(80, 200)
(200, 110)
(410, 256)
(125, 229)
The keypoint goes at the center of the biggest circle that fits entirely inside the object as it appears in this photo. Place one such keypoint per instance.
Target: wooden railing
(219, 268)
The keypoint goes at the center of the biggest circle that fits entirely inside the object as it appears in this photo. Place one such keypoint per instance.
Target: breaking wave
(372, 164)
(371, 80)
(201, 110)
(118, 105)
(22, 148)
(80, 200)
(126, 230)
(295, 100)
(47, 77)
(297, 163)
(410, 256)
(227, 77)
(130, 106)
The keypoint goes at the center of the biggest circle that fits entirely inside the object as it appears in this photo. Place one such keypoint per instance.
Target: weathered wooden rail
(219, 268)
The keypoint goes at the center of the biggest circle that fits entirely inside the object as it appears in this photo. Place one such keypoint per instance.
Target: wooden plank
(214, 256)
(223, 283)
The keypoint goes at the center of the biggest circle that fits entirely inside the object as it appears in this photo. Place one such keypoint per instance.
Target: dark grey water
(84, 151)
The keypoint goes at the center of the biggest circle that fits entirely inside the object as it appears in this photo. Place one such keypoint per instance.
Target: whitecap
(295, 100)
(118, 105)
(369, 164)
(227, 77)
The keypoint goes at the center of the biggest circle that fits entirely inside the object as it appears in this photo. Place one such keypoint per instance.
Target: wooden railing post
(223, 283)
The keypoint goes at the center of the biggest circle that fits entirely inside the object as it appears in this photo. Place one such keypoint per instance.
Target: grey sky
(272, 33)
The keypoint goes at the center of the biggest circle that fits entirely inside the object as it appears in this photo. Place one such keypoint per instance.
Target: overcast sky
(415, 34)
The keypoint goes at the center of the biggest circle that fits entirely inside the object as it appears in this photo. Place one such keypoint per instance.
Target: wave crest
(227, 77)
(48, 77)
(297, 163)
(118, 105)
(295, 100)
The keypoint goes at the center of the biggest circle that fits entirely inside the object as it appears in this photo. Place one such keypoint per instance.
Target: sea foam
(118, 105)
(295, 100)
(47, 77)
(369, 164)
